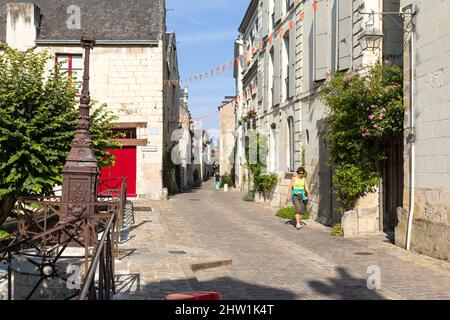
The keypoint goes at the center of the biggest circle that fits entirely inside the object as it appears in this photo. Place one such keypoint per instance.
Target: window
(123, 133)
(72, 64)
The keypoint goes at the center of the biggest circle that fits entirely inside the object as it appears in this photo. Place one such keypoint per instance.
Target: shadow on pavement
(345, 287)
(229, 288)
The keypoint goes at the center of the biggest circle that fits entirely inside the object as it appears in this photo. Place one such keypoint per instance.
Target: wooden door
(125, 166)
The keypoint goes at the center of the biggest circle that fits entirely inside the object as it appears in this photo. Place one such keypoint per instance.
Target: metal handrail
(90, 277)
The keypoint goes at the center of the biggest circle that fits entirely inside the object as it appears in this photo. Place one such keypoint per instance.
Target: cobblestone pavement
(270, 259)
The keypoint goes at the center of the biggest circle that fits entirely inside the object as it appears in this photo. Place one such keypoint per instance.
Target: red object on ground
(198, 295)
(126, 165)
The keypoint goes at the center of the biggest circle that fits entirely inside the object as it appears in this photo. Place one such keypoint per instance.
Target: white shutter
(278, 10)
(292, 59)
(345, 34)
(277, 72)
(265, 19)
(321, 43)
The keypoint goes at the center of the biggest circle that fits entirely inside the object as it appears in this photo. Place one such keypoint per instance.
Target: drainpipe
(411, 139)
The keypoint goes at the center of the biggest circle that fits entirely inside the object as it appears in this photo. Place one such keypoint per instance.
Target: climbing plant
(256, 156)
(364, 110)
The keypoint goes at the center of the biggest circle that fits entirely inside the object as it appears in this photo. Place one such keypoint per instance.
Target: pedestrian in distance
(217, 177)
(299, 194)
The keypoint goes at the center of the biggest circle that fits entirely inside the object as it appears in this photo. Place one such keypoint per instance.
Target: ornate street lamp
(80, 172)
(371, 38)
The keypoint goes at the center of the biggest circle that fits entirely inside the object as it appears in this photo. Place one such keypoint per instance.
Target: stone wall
(227, 137)
(430, 232)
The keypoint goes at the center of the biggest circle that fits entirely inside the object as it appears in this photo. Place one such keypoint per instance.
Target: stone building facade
(329, 41)
(266, 80)
(227, 137)
(427, 129)
(129, 64)
(295, 60)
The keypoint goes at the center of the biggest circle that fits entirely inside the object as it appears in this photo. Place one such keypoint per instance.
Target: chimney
(22, 25)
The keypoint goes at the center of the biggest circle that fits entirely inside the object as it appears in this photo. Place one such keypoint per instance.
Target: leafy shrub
(4, 235)
(226, 179)
(265, 182)
(337, 230)
(289, 213)
(250, 197)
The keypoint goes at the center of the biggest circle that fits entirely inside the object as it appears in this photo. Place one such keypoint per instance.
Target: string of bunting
(277, 34)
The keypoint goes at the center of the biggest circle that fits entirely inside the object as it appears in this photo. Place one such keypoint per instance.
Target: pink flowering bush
(363, 111)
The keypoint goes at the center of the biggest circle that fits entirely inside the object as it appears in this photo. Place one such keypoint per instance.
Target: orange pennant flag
(218, 71)
(245, 55)
(280, 33)
(253, 52)
(261, 46)
(302, 16)
(315, 6)
(230, 65)
(291, 25)
(270, 39)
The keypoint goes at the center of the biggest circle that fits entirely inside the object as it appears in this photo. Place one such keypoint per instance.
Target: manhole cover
(194, 199)
(363, 253)
(178, 252)
(143, 209)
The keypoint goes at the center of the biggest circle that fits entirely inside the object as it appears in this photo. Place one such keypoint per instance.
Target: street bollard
(225, 188)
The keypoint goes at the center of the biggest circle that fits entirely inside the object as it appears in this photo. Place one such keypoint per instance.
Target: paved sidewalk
(270, 260)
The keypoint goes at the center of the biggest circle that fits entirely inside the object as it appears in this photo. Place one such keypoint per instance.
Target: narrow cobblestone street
(187, 243)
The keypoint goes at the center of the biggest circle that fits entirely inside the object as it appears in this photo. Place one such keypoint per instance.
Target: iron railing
(42, 242)
(103, 261)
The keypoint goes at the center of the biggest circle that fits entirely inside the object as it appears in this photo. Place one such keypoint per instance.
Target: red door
(125, 166)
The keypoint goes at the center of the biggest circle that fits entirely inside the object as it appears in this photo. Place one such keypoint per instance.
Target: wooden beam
(129, 125)
(132, 142)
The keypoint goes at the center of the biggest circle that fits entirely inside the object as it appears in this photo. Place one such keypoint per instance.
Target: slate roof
(114, 20)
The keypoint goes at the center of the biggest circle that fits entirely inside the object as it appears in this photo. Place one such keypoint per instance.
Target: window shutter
(265, 19)
(292, 59)
(345, 34)
(277, 72)
(321, 43)
(278, 10)
(260, 87)
(266, 103)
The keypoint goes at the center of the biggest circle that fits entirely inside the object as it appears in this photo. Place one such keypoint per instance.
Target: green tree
(38, 120)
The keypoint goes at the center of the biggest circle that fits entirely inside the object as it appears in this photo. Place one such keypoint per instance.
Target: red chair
(197, 295)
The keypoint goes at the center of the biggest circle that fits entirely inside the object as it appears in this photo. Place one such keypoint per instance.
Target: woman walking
(299, 193)
(217, 179)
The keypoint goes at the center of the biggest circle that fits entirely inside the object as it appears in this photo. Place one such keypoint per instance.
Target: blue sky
(205, 31)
